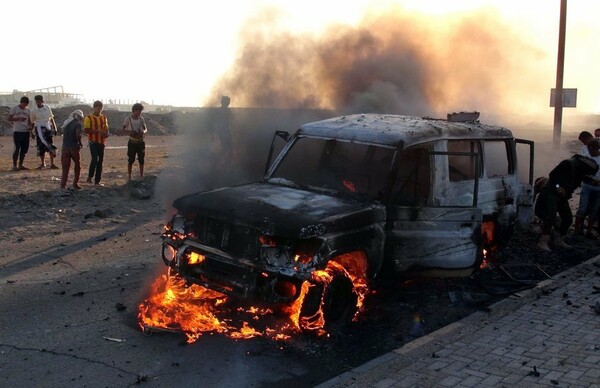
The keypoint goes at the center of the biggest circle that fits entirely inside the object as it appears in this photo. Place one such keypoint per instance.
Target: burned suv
(351, 199)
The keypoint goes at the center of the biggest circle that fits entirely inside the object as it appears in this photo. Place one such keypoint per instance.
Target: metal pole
(560, 67)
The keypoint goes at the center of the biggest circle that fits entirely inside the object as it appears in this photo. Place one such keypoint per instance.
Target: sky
(441, 55)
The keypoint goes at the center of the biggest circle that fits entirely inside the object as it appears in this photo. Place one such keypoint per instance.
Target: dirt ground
(38, 216)
(115, 165)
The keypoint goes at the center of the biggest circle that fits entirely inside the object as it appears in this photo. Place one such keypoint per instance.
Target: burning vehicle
(351, 199)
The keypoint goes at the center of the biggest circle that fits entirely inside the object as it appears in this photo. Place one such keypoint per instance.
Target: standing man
(95, 126)
(44, 126)
(136, 126)
(19, 117)
(70, 148)
(221, 137)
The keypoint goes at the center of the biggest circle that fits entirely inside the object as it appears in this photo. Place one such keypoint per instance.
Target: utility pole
(560, 67)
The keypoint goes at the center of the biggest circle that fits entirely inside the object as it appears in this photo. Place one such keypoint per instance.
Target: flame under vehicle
(352, 199)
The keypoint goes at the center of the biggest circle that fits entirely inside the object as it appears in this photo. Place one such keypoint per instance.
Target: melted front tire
(329, 305)
(339, 302)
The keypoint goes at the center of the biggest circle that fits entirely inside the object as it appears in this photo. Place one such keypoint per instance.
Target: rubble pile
(4, 124)
(157, 123)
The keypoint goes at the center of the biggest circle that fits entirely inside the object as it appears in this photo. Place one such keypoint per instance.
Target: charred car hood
(284, 211)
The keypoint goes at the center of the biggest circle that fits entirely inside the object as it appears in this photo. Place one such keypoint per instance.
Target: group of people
(553, 194)
(38, 123)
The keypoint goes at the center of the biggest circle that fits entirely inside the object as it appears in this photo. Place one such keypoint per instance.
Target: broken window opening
(461, 168)
(413, 181)
(497, 161)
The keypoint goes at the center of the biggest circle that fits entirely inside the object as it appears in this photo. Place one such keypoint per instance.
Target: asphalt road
(62, 325)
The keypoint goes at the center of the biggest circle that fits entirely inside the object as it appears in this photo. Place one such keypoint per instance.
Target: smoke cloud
(390, 63)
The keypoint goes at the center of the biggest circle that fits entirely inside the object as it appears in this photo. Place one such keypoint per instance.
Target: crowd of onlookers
(38, 123)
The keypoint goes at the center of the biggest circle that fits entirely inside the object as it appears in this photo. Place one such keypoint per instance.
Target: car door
(433, 218)
(525, 163)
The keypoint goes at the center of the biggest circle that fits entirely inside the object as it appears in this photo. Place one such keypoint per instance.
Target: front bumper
(221, 272)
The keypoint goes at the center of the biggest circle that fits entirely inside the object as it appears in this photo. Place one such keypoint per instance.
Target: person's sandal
(40, 166)
(54, 167)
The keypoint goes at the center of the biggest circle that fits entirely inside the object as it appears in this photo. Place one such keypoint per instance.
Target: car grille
(234, 239)
(221, 276)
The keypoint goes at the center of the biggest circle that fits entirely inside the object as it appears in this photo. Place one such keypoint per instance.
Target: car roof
(390, 130)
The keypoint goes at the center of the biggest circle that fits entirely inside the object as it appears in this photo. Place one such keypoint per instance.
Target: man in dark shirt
(555, 194)
(221, 137)
(71, 148)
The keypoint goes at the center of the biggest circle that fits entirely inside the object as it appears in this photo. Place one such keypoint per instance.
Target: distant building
(54, 96)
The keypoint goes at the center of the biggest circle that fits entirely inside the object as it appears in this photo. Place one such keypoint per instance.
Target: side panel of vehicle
(498, 188)
(433, 238)
(431, 223)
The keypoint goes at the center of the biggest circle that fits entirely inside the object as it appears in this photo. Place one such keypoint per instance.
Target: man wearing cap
(71, 147)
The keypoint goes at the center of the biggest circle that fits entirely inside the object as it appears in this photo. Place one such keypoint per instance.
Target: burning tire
(329, 303)
(339, 301)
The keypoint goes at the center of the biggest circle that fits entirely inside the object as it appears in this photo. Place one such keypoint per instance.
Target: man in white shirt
(19, 117)
(44, 126)
(135, 125)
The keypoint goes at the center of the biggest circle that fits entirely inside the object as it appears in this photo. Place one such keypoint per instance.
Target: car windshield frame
(336, 165)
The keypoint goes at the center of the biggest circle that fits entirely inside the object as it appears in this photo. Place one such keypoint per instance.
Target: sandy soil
(37, 214)
(115, 165)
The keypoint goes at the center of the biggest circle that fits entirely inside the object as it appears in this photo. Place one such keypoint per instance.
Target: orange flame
(194, 310)
(484, 263)
(354, 264)
(174, 306)
(488, 229)
(488, 233)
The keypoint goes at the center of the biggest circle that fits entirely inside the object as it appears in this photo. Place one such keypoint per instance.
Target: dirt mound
(4, 124)
(157, 123)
